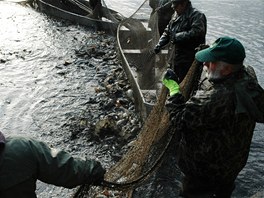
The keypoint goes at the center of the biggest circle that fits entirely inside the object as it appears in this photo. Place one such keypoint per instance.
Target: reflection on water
(32, 47)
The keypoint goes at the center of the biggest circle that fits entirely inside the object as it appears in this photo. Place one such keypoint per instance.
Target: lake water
(33, 48)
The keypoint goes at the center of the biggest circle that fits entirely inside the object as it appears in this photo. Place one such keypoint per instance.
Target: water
(41, 96)
(35, 82)
(33, 53)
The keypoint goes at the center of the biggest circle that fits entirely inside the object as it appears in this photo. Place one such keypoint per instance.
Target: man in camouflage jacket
(214, 128)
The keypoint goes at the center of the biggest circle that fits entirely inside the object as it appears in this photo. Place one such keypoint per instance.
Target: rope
(137, 182)
(81, 5)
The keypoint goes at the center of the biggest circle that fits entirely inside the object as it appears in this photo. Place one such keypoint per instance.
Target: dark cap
(225, 49)
(177, 1)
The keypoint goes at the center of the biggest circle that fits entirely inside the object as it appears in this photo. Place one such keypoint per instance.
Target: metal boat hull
(76, 15)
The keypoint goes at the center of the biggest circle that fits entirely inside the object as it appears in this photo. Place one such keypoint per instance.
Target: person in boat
(153, 4)
(214, 128)
(23, 161)
(164, 12)
(96, 6)
(185, 32)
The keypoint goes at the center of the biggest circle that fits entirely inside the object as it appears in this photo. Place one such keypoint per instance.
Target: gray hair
(234, 67)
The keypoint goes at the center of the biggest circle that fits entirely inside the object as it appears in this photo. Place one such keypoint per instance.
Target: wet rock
(67, 63)
(2, 61)
(106, 127)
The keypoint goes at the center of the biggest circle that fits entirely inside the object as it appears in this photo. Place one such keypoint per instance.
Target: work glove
(98, 174)
(170, 80)
(157, 49)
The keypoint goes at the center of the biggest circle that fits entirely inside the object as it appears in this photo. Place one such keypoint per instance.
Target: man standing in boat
(164, 13)
(96, 6)
(185, 32)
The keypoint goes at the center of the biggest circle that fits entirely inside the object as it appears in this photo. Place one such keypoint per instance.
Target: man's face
(214, 70)
(178, 7)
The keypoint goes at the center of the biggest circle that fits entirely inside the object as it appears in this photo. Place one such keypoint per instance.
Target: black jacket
(186, 32)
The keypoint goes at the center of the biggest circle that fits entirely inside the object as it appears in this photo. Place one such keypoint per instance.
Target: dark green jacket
(26, 160)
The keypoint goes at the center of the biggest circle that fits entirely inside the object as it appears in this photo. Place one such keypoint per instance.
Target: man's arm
(198, 28)
(62, 169)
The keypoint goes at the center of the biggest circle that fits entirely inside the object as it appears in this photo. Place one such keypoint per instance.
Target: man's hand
(99, 173)
(157, 49)
(170, 81)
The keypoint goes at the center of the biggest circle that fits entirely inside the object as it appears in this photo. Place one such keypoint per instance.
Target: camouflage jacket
(214, 128)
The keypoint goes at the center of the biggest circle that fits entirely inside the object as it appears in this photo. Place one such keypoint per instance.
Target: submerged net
(136, 37)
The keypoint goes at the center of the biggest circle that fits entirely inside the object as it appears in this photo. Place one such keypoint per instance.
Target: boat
(136, 39)
(80, 12)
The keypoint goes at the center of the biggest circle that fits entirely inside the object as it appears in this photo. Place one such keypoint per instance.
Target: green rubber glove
(170, 81)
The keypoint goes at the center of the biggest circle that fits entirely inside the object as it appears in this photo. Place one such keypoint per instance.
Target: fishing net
(136, 38)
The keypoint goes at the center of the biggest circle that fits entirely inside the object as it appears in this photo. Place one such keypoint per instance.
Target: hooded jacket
(26, 160)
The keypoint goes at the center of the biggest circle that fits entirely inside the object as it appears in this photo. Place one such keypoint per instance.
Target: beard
(215, 75)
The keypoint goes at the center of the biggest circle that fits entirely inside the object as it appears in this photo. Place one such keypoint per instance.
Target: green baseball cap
(225, 49)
